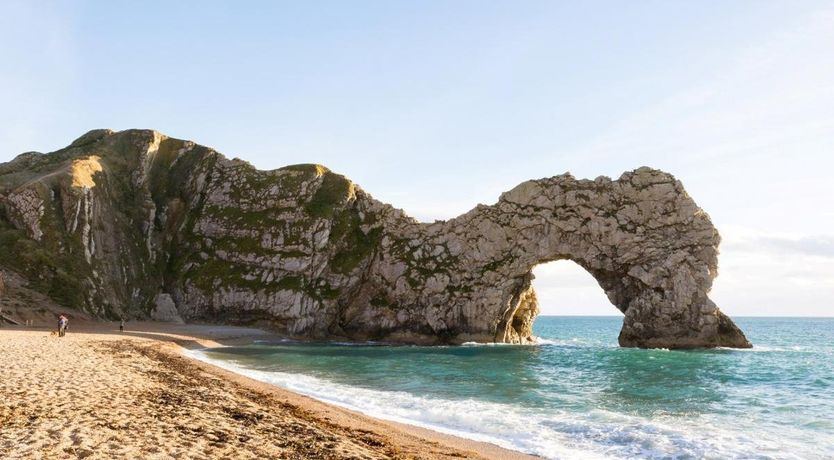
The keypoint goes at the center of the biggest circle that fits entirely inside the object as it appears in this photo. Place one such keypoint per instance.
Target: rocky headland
(138, 224)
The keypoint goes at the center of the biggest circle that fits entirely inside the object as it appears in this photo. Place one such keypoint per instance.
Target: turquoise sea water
(578, 395)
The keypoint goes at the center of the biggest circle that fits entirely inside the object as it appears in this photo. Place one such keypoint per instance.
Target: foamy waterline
(553, 434)
(398, 407)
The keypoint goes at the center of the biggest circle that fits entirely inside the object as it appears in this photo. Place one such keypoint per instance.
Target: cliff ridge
(135, 223)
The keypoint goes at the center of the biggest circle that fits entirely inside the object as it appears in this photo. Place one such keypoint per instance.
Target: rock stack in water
(135, 223)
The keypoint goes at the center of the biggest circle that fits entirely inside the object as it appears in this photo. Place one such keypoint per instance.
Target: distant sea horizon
(731, 316)
(577, 394)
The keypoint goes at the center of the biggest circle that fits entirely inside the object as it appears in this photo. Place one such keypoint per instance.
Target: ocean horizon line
(734, 316)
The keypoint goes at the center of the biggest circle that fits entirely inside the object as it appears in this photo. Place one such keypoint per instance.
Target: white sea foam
(273, 341)
(493, 344)
(769, 349)
(356, 344)
(536, 341)
(597, 434)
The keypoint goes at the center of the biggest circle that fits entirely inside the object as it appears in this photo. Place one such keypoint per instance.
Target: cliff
(139, 224)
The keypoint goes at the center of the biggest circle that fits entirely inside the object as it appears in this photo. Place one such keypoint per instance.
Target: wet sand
(101, 394)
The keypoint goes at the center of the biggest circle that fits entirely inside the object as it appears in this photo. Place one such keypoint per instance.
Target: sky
(436, 106)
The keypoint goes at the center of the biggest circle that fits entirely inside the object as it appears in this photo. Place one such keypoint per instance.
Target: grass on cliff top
(308, 168)
(335, 190)
(163, 179)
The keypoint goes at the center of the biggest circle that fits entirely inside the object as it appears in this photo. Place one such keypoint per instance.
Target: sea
(576, 394)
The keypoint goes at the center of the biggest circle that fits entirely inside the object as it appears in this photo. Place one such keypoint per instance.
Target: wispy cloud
(777, 96)
(769, 273)
(811, 245)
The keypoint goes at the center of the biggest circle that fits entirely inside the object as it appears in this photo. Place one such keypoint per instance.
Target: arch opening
(564, 288)
(559, 287)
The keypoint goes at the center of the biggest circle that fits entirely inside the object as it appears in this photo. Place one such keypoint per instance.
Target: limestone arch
(641, 237)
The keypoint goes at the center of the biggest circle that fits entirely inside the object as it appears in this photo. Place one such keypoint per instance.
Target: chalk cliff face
(137, 223)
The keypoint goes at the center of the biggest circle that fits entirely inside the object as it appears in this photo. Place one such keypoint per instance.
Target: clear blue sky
(437, 106)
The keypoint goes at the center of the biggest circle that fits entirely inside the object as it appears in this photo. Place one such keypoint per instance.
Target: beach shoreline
(99, 393)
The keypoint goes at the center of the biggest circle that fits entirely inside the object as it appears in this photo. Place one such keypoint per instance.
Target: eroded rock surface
(117, 221)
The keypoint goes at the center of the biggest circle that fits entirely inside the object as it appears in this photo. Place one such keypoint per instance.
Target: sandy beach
(98, 393)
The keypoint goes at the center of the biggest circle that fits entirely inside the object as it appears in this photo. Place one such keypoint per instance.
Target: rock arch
(643, 239)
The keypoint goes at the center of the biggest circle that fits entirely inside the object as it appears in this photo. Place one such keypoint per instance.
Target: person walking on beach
(122, 325)
(62, 325)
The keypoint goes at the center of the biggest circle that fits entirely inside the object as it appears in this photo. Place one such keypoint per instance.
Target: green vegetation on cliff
(54, 265)
(335, 190)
